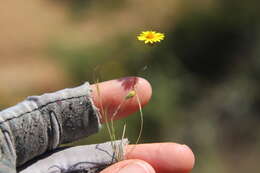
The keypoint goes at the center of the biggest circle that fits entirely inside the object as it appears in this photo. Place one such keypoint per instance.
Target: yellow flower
(150, 37)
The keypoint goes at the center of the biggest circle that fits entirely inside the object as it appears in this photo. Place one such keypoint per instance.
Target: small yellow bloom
(150, 37)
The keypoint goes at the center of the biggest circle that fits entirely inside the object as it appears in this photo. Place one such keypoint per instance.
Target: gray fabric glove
(81, 159)
(40, 123)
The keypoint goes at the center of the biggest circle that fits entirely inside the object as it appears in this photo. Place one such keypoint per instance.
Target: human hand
(163, 157)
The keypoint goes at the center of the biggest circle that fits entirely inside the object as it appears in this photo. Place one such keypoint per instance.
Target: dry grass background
(27, 29)
(190, 109)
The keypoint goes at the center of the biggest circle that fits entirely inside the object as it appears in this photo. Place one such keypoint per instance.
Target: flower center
(150, 36)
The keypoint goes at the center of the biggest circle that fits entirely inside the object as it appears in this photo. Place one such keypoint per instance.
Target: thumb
(130, 166)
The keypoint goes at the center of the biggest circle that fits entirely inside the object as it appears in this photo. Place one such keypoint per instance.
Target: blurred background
(205, 74)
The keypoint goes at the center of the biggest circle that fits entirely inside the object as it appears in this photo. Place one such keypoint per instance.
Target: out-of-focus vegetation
(205, 74)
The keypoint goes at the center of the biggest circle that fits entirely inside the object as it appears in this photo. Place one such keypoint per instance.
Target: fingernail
(135, 167)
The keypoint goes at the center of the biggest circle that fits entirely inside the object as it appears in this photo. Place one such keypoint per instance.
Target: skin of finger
(164, 157)
(112, 93)
(115, 168)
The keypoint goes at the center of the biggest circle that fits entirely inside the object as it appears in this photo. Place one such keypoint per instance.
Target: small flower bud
(131, 94)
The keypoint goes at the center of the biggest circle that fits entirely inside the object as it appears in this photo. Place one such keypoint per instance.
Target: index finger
(110, 94)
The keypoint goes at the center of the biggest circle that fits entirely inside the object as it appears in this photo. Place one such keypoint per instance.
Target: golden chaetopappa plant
(118, 149)
(150, 37)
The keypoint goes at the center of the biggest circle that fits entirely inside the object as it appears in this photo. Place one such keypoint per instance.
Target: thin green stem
(141, 119)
